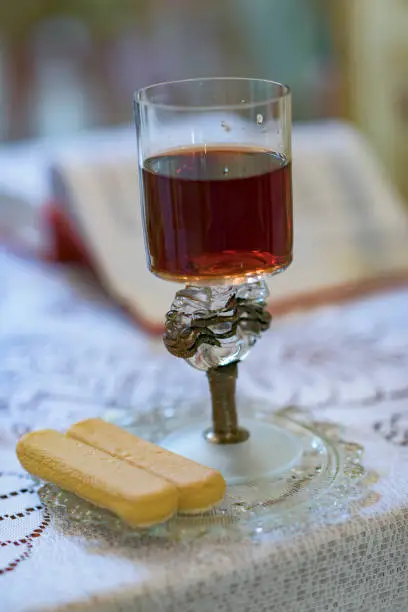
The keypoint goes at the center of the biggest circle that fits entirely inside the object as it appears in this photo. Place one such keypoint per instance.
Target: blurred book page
(24, 176)
(102, 200)
(349, 223)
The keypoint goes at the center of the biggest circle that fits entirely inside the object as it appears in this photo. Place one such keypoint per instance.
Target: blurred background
(69, 65)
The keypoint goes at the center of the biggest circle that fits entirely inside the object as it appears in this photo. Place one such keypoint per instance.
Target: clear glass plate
(326, 480)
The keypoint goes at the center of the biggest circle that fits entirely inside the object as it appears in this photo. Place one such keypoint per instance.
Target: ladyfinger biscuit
(199, 487)
(138, 497)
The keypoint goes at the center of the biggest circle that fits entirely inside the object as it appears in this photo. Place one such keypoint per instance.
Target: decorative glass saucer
(327, 477)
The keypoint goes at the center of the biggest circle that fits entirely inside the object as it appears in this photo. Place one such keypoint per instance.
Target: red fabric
(65, 245)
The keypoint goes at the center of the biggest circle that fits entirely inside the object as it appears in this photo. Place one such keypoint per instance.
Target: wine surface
(217, 213)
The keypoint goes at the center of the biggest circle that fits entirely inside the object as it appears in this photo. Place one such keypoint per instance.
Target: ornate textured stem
(213, 328)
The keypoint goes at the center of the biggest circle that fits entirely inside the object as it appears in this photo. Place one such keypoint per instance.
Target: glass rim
(285, 94)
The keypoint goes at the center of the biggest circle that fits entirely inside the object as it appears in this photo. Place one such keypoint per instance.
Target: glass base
(269, 451)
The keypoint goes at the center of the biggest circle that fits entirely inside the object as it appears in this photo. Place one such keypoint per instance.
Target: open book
(350, 224)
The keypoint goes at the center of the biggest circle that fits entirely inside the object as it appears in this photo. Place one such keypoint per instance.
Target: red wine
(217, 212)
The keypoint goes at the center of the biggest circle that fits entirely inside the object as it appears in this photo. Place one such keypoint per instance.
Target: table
(66, 353)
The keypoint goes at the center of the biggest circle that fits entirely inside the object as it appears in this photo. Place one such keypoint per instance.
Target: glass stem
(225, 429)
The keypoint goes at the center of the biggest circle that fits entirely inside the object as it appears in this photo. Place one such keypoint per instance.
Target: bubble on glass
(225, 126)
(259, 119)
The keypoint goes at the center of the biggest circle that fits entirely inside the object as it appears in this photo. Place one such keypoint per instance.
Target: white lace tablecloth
(66, 353)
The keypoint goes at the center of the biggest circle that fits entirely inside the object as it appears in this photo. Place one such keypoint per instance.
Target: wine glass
(216, 189)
